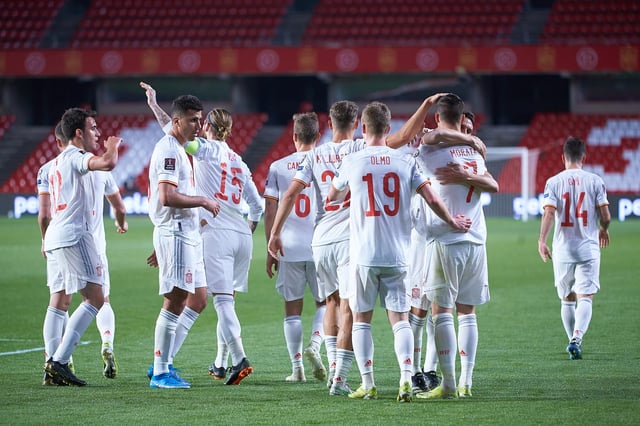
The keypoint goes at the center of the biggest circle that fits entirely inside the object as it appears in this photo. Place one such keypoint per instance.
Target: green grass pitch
(522, 374)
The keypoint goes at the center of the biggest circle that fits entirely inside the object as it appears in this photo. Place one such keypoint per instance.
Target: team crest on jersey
(415, 293)
(99, 270)
(169, 163)
(188, 278)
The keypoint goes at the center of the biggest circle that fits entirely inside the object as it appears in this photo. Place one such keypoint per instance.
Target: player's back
(70, 200)
(459, 198)
(221, 175)
(382, 181)
(577, 195)
(319, 168)
(297, 231)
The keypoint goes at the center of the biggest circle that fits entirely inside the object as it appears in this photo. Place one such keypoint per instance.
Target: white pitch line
(24, 351)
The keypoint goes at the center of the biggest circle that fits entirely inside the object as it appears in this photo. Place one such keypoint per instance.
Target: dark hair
(574, 149)
(450, 108)
(471, 116)
(305, 125)
(185, 103)
(343, 115)
(59, 134)
(376, 116)
(73, 119)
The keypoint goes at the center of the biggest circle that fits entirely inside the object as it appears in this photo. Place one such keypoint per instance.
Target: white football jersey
(170, 164)
(382, 181)
(318, 169)
(71, 198)
(576, 196)
(103, 184)
(223, 176)
(297, 231)
(459, 198)
(42, 179)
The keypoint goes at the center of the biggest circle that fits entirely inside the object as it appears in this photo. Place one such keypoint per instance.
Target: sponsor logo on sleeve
(169, 163)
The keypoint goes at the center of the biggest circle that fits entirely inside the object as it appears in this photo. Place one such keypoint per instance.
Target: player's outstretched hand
(461, 223)
(150, 92)
(152, 260)
(544, 251)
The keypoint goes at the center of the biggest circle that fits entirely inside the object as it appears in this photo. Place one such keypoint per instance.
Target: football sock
(467, 346)
(78, 323)
(363, 351)
(445, 337)
(317, 331)
(106, 322)
(52, 330)
(331, 345)
(185, 322)
(403, 345)
(344, 358)
(568, 315)
(229, 326)
(583, 318)
(430, 354)
(293, 337)
(417, 328)
(222, 356)
(164, 335)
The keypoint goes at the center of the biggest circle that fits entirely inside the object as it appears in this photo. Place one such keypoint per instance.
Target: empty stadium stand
(23, 25)
(371, 22)
(195, 23)
(592, 21)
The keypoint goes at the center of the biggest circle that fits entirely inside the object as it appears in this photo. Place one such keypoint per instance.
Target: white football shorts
(579, 278)
(293, 278)
(227, 257)
(332, 268)
(390, 282)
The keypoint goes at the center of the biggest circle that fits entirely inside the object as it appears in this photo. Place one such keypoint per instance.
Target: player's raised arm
(162, 117)
(109, 159)
(453, 137)
(414, 125)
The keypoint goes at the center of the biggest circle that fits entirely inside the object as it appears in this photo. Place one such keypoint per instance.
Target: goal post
(515, 170)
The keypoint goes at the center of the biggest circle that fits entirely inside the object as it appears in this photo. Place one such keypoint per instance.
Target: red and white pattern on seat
(282, 147)
(613, 149)
(245, 127)
(23, 179)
